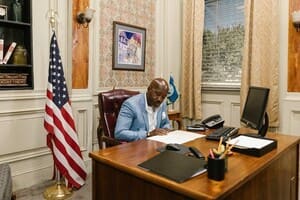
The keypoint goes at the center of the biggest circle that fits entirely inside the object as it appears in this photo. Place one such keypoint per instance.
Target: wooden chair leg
(99, 136)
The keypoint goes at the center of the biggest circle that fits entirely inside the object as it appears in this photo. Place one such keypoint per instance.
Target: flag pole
(58, 191)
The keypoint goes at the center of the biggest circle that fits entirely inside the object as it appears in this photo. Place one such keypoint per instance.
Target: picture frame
(3, 12)
(129, 46)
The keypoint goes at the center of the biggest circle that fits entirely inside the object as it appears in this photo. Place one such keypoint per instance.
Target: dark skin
(156, 93)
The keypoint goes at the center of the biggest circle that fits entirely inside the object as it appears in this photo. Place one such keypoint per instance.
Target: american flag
(62, 138)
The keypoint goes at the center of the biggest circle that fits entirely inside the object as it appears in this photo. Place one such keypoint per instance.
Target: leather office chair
(110, 103)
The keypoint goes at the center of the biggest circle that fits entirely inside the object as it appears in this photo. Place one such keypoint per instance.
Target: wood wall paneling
(293, 51)
(80, 48)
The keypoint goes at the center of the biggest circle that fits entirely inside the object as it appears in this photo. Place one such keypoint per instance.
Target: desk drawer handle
(292, 188)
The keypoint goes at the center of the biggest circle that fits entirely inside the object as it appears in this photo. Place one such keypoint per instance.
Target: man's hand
(159, 131)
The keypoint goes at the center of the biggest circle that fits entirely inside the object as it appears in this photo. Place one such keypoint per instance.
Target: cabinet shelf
(16, 26)
(7, 66)
(15, 23)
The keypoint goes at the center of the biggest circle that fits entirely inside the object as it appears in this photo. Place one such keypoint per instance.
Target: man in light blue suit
(144, 115)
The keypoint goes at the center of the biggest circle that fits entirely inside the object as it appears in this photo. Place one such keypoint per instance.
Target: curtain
(261, 53)
(193, 25)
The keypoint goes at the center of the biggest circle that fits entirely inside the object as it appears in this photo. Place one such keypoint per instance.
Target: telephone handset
(214, 121)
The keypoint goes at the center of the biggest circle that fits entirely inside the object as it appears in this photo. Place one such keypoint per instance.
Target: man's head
(157, 92)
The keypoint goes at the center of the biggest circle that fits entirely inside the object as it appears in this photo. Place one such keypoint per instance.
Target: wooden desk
(175, 116)
(272, 176)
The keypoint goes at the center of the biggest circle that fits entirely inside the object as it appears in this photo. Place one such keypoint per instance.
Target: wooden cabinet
(16, 26)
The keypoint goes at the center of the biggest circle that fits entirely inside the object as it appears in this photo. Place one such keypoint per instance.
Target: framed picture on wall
(129, 44)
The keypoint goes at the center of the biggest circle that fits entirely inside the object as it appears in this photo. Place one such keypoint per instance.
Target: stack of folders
(196, 127)
(252, 145)
(175, 166)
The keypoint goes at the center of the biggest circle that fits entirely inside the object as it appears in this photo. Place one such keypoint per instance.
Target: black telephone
(214, 121)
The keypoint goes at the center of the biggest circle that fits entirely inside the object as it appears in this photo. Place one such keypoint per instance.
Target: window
(223, 41)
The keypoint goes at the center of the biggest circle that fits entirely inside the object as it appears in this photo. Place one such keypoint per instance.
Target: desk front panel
(272, 176)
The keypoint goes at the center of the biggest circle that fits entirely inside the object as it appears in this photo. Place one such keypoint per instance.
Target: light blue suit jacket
(132, 122)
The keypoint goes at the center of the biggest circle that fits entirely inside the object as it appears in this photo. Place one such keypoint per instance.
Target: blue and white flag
(172, 94)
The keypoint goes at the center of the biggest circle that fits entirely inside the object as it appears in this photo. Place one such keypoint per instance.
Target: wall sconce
(85, 17)
(296, 20)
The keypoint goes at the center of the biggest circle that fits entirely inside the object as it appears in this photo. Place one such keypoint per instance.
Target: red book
(9, 52)
(1, 50)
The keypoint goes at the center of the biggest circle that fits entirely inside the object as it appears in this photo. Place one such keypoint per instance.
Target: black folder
(175, 166)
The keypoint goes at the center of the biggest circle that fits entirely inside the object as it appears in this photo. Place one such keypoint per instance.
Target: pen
(211, 154)
(220, 143)
(228, 149)
(227, 144)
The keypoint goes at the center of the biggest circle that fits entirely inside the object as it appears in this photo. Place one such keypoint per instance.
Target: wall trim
(33, 153)
(21, 112)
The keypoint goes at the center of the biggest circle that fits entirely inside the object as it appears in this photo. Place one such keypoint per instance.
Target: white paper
(177, 136)
(243, 141)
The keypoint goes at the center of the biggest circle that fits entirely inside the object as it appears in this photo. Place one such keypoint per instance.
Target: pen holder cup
(216, 168)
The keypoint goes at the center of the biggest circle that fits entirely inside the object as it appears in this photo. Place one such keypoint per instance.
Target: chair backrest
(110, 103)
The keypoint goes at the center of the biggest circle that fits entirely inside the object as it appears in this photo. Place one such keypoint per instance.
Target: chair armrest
(110, 141)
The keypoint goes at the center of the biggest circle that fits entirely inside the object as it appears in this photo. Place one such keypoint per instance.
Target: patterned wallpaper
(135, 12)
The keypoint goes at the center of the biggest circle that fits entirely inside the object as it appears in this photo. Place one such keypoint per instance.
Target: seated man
(144, 114)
